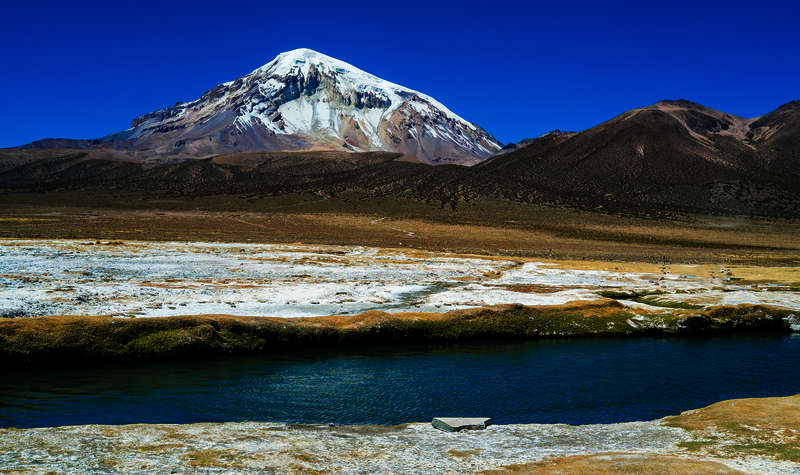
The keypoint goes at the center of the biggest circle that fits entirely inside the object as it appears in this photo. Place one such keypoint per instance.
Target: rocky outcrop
(457, 424)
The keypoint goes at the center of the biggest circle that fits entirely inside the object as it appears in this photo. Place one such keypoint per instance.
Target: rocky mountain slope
(670, 154)
(302, 100)
(557, 135)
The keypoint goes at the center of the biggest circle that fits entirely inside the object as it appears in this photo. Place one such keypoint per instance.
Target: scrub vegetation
(97, 339)
(485, 227)
(764, 426)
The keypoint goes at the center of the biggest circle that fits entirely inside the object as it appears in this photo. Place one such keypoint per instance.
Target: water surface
(568, 381)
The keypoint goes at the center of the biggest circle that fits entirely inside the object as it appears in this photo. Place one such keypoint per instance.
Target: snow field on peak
(314, 114)
(349, 78)
(319, 100)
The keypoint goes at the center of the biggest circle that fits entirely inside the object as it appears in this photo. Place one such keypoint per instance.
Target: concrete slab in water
(455, 424)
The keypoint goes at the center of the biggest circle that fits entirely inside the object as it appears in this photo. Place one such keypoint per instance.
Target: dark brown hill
(671, 156)
(777, 138)
(325, 174)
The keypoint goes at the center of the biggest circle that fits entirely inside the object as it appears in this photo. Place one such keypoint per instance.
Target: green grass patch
(68, 340)
(790, 452)
(695, 445)
(661, 302)
(619, 294)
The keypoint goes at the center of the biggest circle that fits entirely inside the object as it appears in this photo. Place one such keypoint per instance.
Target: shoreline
(742, 435)
(86, 340)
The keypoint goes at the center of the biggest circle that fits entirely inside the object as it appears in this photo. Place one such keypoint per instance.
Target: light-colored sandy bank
(748, 435)
(146, 279)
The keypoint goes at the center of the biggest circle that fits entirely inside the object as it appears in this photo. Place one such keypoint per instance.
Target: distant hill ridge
(671, 155)
(670, 152)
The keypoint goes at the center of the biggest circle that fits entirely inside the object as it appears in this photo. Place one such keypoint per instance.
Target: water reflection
(570, 381)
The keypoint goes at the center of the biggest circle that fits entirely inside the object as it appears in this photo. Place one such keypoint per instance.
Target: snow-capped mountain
(305, 100)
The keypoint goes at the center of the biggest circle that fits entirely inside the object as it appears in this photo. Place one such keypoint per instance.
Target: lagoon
(575, 381)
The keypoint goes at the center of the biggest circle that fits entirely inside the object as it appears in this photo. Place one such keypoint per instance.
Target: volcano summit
(302, 100)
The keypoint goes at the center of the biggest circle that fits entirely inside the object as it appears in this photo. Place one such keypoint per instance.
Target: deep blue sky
(83, 70)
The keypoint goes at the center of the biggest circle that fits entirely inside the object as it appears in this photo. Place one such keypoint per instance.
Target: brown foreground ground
(736, 436)
(479, 227)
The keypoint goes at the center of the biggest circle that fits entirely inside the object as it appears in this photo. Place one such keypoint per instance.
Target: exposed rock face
(457, 424)
(304, 100)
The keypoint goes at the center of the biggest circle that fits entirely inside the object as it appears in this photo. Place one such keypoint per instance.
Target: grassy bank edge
(73, 340)
(743, 427)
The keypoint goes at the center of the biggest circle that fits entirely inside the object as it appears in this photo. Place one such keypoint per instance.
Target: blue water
(569, 381)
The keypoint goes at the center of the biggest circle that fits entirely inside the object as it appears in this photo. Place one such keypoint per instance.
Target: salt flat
(409, 448)
(145, 279)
